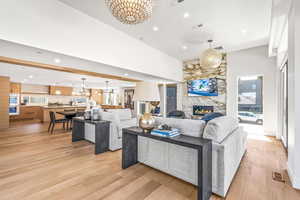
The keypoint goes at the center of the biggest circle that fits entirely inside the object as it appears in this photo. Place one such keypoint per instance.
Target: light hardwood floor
(37, 165)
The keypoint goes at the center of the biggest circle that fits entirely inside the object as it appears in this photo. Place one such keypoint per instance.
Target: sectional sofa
(229, 146)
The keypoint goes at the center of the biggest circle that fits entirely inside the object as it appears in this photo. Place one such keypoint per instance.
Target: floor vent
(278, 177)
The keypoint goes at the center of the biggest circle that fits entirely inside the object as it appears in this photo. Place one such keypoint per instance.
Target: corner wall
(251, 62)
(294, 95)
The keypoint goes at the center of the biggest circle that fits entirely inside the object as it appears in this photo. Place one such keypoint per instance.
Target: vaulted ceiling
(182, 29)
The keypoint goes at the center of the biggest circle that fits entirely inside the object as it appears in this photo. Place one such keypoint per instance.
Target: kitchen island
(96, 132)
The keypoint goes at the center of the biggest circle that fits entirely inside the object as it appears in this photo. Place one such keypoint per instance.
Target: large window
(250, 100)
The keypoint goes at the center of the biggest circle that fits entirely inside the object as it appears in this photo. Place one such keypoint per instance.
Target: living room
(147, 68)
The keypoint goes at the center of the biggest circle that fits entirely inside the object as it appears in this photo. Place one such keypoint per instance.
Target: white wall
(54, 26)
(251, 62)
(294, 95)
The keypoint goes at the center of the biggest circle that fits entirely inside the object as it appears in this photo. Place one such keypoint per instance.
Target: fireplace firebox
(202, 110)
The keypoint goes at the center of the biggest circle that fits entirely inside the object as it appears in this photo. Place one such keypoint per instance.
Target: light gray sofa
(229, 146)
(119, 118)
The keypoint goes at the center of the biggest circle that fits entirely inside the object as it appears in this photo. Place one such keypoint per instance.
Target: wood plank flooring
(35, 165)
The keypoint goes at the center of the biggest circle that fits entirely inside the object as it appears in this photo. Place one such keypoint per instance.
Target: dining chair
(54, 121)
(80, 114)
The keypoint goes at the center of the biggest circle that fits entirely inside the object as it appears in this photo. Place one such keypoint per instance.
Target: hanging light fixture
(107, 90)
(130, 11)
(211, 58)
(84, 91)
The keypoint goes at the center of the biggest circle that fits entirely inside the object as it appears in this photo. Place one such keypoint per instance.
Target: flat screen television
(203, 87)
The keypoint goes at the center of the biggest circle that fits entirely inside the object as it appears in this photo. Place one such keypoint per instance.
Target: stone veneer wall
(193, 71)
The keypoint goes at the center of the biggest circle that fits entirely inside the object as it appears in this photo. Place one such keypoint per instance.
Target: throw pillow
(211, 116)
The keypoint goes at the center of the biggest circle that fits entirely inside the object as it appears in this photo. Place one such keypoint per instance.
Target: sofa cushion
(219, 128)
(186, 126)
(211, 116)
(123, 114)
(112, 117)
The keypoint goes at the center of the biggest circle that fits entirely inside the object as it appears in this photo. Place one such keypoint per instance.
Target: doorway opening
(171, 98)
(250, 104)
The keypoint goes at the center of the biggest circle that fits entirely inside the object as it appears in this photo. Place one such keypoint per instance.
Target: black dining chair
(80, 114)
(54, 121)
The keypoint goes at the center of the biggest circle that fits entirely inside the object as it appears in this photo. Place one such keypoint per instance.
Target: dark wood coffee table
(203, 146)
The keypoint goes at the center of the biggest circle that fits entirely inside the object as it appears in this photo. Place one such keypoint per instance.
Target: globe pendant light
(130, 11)
(211, 58)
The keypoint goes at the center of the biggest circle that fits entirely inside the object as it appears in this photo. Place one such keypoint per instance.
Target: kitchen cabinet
(97, 96)
(15, 88)
(4, 101)
(34, 89)
(59, 90)
(28, 112)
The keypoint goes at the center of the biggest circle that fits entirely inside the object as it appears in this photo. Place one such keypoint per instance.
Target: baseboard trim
(270, 133)
(294, 180)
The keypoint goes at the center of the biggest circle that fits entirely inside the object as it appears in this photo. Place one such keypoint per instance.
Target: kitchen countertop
(63, 106)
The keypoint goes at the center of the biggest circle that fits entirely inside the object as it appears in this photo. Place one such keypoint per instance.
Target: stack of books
(165, 133)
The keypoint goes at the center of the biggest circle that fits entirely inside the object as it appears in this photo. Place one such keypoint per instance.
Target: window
(35, 100)
(80, 100)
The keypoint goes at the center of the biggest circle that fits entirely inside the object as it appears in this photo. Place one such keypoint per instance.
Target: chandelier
(130, 11)
(107, 90)
(84, 91)
(211, 58)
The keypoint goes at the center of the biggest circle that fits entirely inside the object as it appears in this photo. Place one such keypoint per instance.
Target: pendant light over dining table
(84, 91)
(211, 58)
(130, 11)
(107, 90)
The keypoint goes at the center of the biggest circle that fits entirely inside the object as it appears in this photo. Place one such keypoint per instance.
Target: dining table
(69, 116)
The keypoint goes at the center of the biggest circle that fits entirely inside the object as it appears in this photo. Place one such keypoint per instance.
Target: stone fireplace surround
(202, 110)
(192, 70)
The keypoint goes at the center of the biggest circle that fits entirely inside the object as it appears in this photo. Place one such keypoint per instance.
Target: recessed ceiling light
(31, 76)
(57, 60)
(244, 31)
(184, 47)
(155, 28)
(186, 15)
(126, 74)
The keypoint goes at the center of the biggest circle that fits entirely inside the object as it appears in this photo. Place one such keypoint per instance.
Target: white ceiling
(37, 76)
(233, 24)
(49, 77)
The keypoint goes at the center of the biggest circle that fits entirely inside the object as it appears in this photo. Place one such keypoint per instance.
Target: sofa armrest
(125, 124)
